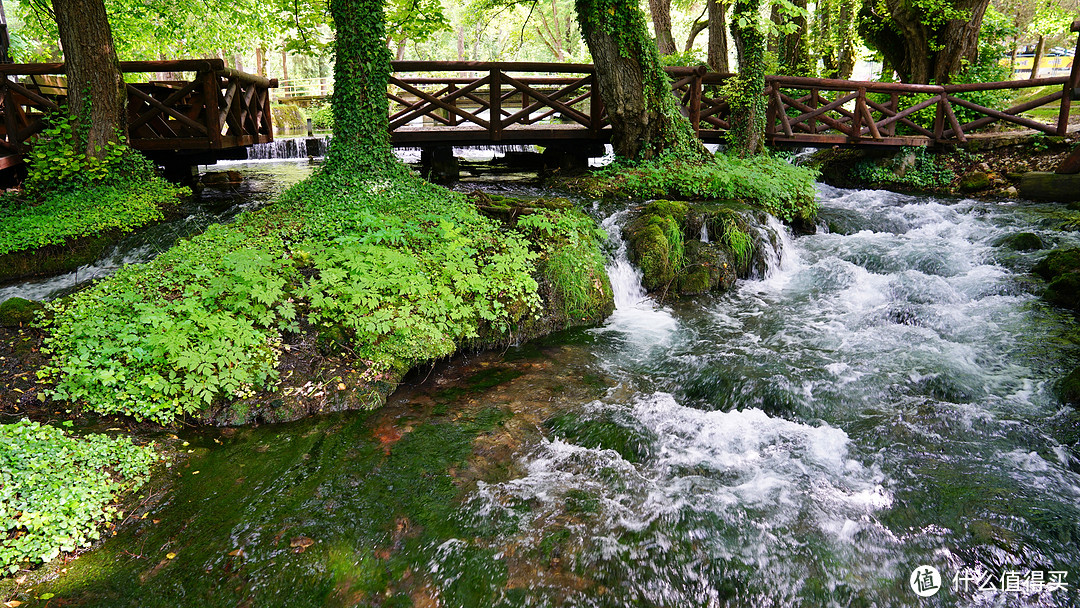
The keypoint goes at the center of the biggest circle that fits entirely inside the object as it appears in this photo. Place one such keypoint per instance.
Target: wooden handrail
(176, 65)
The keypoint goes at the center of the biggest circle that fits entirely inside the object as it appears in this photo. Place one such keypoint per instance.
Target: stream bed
(881, 400)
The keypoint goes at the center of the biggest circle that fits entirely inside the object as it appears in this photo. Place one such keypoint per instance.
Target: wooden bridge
(536, 103)
(214, 114)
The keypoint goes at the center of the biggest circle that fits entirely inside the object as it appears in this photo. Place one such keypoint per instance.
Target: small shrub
(55, 490)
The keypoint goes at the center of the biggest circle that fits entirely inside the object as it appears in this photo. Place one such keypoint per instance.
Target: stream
(880, 400)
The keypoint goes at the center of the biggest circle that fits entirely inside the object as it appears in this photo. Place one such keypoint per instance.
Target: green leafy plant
(58, 160)
(765, 181)
(56, 489)
(928, 171)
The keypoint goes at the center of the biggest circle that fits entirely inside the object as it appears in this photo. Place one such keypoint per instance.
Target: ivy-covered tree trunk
(646, 120)
(97, 96)
(748, 104)
(661, 18)
(924, 45)
(361, 139)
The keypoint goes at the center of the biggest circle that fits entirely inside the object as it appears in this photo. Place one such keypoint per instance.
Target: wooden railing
(218, 108)
(537, 102)
(821, 111)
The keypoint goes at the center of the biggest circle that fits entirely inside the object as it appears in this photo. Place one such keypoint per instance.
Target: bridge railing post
(596, 106)
(771, 110)
(857, 119)
(1070, 87)
(695, 101)
(211, 94)
(939, 117)
(495, 103)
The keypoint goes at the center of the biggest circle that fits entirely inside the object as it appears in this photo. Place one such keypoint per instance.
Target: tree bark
(909, 44)
(718, 37)
(644, 115)
(97, 96)
(661, 18)
(284, 64)
(260, 61)
(1038, 57)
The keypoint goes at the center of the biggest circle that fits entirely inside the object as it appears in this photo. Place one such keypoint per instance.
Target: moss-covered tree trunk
(748, 105)
(361, 71)
(646, 120)
(793, 49)
(661, 18)
(97, 96)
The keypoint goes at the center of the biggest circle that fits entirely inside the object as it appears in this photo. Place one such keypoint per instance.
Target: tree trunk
(284, 64)
(96, 91)
(661, 18)
(461, 43)
(361, 139)
(922, 53)
(646, 120)
(1038, 57)
(718, 37)
(793, 50)
(260, 61)
(747, 133)
(698, 27)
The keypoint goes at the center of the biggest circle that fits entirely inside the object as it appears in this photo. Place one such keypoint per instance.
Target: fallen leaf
(170, 556)
(13, 604)
(194, 472)
(46, 596)
(341, 386)
(236, 553)
(299, 543)
(21, 579)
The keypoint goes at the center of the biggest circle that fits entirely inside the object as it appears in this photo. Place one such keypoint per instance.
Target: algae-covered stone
(1057, 263)
(1061, 269)
(1069, 388)
(18, 312)
(1021, 241)
(656, 242)
(974, 181)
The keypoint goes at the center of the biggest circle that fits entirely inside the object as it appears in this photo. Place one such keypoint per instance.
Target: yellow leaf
(170, 556)
(341, 386)
(194, 472)
(13, 604)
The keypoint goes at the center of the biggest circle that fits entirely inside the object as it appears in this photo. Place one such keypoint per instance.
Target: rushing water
(881, 398)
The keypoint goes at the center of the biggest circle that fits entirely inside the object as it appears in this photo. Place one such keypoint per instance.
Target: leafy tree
(924, 40)
(836, 36)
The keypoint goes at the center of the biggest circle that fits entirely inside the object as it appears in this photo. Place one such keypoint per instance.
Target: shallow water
(879, 400)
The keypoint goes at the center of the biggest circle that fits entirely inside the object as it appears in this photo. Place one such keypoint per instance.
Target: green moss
(19, 312)
(1021, 241)
(1064, 291)
(974, 181)
(1058, 262)
(1069, 388)
(603, 432)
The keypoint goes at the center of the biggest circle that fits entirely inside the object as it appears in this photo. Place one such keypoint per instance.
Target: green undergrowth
(916, 168)
(69, 194)
(402, 271)
(765, 181)
(56, 490)
(58, 217)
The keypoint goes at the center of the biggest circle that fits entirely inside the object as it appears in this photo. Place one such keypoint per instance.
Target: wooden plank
(177, 65)
(10, 126)
(957, 132)
(781, 111)
(542, 100)
(890, 121)
(32, 96)
(832, 84)
(211, 89)
(168, 101)
(867, 118)
(1005, 84)
(167, 110)
(1031, 124)
(806, 139)
(488, 66)
(495, 95)
(903, 114)
(819, 112)
(1017, 109)
(441, 103)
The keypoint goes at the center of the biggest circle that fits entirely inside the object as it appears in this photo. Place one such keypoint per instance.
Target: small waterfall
(625, 278)
(291, 147)
(774, 252)
(704, 232)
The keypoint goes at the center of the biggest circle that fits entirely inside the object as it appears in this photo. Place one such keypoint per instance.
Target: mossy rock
(1021, 241)
(19, 312)
(1069, 388)
(708, 267)
(974, 181)
(56, 259)
(1064, 291)
(655, 245)
(1057, 263)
